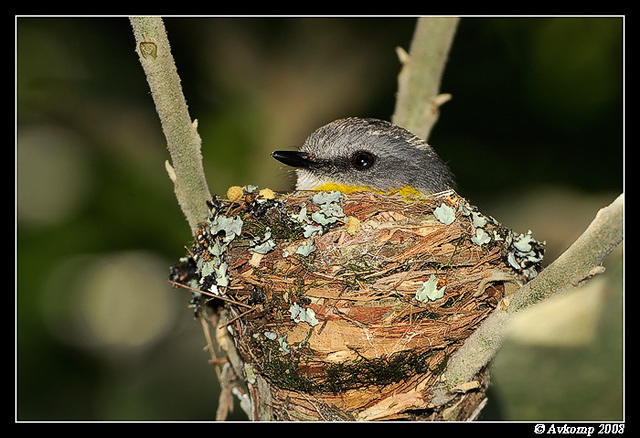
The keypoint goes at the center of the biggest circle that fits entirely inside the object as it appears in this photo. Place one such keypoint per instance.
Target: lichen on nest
(362, 312)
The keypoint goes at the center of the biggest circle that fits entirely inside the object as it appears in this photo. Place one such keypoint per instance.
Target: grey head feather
(401, 158)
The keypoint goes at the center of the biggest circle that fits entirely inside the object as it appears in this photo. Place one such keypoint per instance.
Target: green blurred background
(533, 133)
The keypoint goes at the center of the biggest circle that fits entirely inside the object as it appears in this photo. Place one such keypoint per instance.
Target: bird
(355, 154)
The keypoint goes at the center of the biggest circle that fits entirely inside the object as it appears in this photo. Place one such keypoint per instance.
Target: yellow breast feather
(405, 192)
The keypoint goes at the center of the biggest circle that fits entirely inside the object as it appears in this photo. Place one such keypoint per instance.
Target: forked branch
(419, 80)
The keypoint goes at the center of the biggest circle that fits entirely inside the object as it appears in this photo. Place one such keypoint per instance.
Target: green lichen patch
(284, 346)
(231, 226)
(265, 244)
(521, 252)
(222, 279)
(445, 214)
(429, 290)
(311, 230)
(524, 254)
(478, 219)
(301, 216)
(330, 210)
(301, 314)
(326, 198)
(306, 248)
(481, 237)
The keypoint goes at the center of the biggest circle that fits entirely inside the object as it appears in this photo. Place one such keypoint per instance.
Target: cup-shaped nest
(350, 301)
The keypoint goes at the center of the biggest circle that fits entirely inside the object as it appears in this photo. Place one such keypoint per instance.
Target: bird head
(367, 154)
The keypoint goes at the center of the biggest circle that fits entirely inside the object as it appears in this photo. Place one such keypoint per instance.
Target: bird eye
(362, 160)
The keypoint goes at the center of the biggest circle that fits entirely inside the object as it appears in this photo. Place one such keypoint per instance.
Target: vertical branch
(187, 173)
(182, 136)
(419, 80)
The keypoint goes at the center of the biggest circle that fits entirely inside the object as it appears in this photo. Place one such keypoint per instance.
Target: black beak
(293, 158)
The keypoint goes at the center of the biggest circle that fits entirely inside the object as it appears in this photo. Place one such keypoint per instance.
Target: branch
(182, 136)
(419, 80)
(582, 260)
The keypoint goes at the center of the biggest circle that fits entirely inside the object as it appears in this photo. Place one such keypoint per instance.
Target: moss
(424, 315)
(356, 273)
(286, 229)
(276, 306)
(449, 303)
(381, 371)
(284, 371)
(300, 288)
(360, 267)
(280, 225)
(273, 215)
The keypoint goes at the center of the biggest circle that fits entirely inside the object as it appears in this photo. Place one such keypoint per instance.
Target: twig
(214, 359)
(235, 318)
(209, 294)
(189, 252)
(182, 136)
(418, 97)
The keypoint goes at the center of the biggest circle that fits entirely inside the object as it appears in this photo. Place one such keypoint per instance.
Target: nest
(346, 303)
